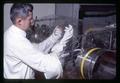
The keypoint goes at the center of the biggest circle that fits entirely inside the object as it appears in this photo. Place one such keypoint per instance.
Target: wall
(69, 10)
(72, 11)
(64, 10)
(40, 10)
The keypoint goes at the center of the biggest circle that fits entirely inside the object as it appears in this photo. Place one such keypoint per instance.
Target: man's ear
(18, 21)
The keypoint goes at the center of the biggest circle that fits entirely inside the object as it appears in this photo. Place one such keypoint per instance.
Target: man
(21, 57)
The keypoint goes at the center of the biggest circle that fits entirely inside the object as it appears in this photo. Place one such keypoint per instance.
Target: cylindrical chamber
(97, 64)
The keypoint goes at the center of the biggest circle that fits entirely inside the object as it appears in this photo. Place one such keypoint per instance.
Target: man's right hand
(68, 34)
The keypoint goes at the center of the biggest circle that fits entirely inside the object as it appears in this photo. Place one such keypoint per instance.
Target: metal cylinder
(97, 64)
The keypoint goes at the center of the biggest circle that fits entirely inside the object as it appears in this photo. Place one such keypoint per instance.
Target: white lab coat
(20, 56)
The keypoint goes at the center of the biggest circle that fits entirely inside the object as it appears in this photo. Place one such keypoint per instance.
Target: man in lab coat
(21, 57)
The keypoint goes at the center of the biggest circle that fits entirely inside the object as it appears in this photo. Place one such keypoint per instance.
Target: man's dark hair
(20, 10)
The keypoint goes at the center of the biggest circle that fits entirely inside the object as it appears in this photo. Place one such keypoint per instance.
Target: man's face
(28, 21)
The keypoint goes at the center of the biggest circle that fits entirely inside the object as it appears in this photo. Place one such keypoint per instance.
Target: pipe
(97, 63)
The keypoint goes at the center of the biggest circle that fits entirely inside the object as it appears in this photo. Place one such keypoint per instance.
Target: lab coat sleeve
(47, 44)
(44, 63)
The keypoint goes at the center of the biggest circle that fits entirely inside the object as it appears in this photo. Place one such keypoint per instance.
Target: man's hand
(68, 34)
(58, 32)
(58, 48)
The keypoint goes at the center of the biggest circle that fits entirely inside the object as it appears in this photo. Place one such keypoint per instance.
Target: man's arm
(49, 64)
(47, 44)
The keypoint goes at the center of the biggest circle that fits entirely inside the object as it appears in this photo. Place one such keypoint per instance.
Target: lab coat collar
(18, 30)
